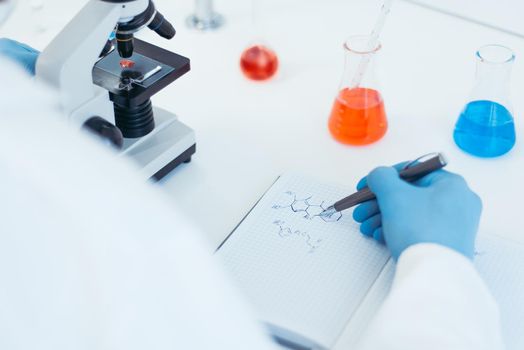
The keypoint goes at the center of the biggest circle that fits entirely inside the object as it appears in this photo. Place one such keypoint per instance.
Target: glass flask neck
(493, 76)
(360, 63)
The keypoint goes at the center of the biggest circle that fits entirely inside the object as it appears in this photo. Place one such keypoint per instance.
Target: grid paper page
(303, 273)
(501, 264)
(369, 308)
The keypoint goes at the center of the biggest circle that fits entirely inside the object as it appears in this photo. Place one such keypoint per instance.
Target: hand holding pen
(403, 209)
(411, 172)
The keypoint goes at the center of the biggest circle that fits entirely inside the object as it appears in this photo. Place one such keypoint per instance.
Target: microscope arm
(67, 63)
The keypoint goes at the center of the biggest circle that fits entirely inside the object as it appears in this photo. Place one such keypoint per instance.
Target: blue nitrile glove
(440, 208)
(22, 54)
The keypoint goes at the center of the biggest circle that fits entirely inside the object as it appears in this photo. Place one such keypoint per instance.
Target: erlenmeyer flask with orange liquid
(358, 116)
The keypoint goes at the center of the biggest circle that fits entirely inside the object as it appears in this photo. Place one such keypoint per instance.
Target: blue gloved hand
(20, 53)
(440, 208)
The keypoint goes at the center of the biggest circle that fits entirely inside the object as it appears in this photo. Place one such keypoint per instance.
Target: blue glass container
(486, 126)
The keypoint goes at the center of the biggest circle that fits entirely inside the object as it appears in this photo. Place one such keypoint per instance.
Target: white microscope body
(67, 65)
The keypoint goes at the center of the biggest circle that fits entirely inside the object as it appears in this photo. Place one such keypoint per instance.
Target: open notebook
(311, 278)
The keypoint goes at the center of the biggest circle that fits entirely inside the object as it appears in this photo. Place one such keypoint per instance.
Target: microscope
(105, 86)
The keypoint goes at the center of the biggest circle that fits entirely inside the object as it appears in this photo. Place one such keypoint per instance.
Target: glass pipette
(373, 41)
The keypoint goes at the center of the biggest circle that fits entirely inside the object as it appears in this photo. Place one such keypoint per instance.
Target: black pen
(409, 174)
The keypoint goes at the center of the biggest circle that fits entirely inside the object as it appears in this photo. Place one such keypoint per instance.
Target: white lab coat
(91, 257)
(6, 6)
(437, 301)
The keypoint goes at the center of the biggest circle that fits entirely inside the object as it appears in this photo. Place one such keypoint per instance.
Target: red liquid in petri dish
(358, 117)
(259, 62)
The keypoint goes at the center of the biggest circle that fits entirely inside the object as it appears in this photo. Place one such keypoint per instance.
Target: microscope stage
(152, 70)
(135, 68)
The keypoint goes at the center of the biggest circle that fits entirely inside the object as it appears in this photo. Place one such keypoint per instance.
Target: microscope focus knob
(107, 132)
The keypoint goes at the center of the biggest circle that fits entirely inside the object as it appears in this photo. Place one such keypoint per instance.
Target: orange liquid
(358, 117)
(259, 62)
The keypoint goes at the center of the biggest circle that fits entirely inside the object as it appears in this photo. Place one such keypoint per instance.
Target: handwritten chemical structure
(286, 232)
(307, 207)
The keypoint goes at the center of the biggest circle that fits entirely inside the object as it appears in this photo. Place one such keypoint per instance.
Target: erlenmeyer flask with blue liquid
(486, 126)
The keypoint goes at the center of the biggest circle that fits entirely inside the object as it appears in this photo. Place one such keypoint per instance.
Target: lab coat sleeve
(437, 301)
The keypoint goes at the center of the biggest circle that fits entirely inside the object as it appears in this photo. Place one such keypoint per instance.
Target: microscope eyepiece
(151, 18)
(125, 45)
(162, 27)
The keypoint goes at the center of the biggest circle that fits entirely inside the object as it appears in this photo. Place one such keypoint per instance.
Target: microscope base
(184, 158)
(170, 144)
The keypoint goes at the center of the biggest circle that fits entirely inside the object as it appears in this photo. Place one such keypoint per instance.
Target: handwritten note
(303, 272)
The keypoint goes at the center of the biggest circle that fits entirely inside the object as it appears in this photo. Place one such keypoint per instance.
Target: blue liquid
(485, 129)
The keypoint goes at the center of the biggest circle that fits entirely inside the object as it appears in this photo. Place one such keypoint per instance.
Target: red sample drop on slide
(259, 62)
(126, 64)
(358, 117)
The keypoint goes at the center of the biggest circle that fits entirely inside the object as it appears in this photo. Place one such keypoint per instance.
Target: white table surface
(249, 133)
(503, 14)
